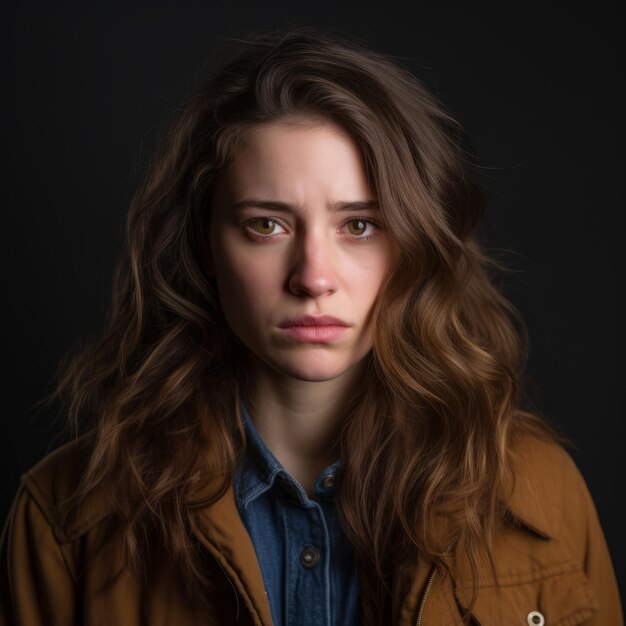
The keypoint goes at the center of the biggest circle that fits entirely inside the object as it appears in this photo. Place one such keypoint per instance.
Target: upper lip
(313, 320)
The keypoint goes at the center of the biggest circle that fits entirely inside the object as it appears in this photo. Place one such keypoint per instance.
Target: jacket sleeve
(36, 585)
(598, 566)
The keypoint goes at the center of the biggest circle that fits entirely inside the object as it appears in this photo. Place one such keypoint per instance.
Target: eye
(361, 226)
(267, 225)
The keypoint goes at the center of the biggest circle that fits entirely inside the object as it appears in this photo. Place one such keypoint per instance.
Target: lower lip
(315, 334)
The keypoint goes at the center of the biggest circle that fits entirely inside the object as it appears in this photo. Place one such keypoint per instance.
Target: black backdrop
(537, 88)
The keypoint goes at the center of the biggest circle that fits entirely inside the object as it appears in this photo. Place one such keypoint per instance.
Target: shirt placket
(308, 564)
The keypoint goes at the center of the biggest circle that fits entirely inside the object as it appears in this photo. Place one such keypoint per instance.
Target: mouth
(320, 333)
(312, 320)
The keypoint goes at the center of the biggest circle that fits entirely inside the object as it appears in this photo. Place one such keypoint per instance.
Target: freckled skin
(306, 262)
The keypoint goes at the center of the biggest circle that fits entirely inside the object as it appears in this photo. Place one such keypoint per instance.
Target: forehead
(300, 159)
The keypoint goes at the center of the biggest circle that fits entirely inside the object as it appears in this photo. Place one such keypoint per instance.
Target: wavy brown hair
(430, 430)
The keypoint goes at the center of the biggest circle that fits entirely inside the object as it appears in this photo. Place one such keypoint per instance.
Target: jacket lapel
(220, 529)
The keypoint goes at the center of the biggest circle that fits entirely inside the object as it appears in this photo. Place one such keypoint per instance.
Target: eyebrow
(275, 205)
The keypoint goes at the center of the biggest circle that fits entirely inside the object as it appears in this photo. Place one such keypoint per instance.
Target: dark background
(538, 88)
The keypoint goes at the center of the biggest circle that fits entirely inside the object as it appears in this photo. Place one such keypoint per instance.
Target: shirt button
(309, 557)
(329, 481)
(535, 619)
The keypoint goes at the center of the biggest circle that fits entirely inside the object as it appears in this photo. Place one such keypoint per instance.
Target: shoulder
(53, 480)
(550, 555)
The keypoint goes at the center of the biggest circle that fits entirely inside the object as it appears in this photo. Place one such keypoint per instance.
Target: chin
(310, 364)
(309, 370)
(314, 377)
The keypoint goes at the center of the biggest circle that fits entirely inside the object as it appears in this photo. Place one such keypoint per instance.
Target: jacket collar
(529, 497)
(525, 507)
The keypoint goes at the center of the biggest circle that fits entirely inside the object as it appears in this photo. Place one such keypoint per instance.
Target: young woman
(306, 406)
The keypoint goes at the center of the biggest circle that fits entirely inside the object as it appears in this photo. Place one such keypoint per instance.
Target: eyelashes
(275, 221)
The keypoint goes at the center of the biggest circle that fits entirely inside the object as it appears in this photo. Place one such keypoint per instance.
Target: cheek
(365, 278)
(246, 284)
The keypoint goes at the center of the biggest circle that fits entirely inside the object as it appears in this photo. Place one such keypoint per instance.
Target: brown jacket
(552, 559)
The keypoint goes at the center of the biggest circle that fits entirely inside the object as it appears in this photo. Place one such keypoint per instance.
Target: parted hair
(427, 436)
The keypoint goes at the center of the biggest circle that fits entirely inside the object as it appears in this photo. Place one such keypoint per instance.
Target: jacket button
(329, 481)
(309, 557)
(535, 619)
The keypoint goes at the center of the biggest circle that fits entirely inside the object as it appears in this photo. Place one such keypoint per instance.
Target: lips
(327, 333)
(312, 320)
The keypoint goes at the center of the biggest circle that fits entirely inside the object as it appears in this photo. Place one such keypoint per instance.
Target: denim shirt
(306, 560)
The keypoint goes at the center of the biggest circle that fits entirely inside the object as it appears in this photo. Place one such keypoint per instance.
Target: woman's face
(305, 251)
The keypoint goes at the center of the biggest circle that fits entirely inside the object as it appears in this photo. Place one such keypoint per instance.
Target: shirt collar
(261, 470)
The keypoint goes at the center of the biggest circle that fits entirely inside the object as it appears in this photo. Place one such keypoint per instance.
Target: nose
(312, 271)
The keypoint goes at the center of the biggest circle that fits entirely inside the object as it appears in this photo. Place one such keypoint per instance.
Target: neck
(300, 421)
